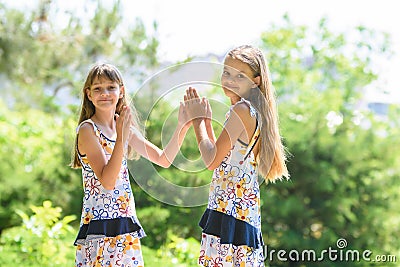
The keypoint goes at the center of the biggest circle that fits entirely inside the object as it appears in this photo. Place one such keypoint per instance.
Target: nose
(229, 80)
(104, 91)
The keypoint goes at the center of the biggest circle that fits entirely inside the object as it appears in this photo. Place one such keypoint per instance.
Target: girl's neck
(104, 119)
(234, 99)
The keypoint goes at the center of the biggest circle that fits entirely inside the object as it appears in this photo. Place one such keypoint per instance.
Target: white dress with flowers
(109, 232)
(231, 224)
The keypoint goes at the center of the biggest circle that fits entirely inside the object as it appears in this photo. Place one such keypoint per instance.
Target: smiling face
(237, 79)
(104, 93)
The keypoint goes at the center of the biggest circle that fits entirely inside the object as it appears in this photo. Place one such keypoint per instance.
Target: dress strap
(95, 128)
(253, 140)
(256, 135)
(253, 113)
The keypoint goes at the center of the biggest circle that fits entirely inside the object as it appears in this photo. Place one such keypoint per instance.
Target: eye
(112, 88)
(96, 89)
(241, 76)
(225, 73)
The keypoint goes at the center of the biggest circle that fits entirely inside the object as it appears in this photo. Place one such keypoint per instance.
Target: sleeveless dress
(231, 224)
(110, 232)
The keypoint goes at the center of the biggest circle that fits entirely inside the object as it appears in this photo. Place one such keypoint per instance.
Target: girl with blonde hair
(248, 146)
(107, 135)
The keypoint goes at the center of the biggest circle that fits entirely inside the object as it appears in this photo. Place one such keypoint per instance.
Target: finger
(196, 95)
(193, 92)
(190, 94)
(127, 115)
(125, 118)
(209, 110)
(121, 115)
(206, 103)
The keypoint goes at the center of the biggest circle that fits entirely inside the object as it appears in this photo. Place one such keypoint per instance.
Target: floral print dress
(231, 224)
(109, 232)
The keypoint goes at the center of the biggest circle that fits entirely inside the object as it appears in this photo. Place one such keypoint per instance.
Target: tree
(43, 64)
(42, 57)
(40, 240)
(344, 174)
(344, 164)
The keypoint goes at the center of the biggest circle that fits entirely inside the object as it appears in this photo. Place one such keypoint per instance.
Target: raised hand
(196, 106)
(124, 121)
(183, 116)
(208, 111)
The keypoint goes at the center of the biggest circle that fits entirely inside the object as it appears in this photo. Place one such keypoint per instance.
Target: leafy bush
(43, 239)
(180, 251)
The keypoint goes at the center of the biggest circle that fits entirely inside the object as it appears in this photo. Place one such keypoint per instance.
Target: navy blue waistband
(107, 228)
(230, 230)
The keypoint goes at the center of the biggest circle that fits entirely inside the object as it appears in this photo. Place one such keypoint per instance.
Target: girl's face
(237, 79)
(104, 93)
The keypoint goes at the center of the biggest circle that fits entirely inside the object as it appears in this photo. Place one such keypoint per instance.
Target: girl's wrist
(197, 121)
(184, 127)
(119, 140)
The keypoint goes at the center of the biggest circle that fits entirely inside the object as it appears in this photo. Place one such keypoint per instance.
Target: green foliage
(35, 152)
(39, 57)
(343, 174)
(180, 251)
(46, 239)
(43, 239)
(38, 149)
(178, 254)
(344, 163)
(154, 219)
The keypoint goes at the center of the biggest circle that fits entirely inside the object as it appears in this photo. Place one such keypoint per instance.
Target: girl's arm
(165, 157)
(213, 152)
(106, 170)
(207, 122)
(208, 116)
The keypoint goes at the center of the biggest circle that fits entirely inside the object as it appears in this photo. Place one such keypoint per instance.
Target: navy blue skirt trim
(107, 228)
(230, 230)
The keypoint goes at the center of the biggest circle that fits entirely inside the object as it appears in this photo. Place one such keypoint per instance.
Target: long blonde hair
(272, 156)
(109, 72)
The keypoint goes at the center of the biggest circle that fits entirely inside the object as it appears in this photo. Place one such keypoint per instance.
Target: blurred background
(335, 68)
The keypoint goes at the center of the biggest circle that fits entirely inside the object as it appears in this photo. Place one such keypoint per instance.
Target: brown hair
(272, 156)
(109, 72)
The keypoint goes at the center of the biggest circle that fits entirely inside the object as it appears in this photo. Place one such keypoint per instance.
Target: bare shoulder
(86, 130)
(244, 120)
(242, 110)
(86, 137)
